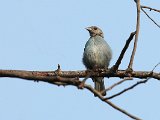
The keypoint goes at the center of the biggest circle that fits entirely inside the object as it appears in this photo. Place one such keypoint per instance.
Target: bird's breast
(95, 54)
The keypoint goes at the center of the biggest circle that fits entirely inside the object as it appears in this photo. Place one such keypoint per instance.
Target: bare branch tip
(59, 67)
(156, 66)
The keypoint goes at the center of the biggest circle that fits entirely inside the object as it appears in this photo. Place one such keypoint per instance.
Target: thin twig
(116, 66)
(150, 18)
(127, 89)
(136, 37)
(156, 66)
(110, 103)
(114, 85)
(150, 8)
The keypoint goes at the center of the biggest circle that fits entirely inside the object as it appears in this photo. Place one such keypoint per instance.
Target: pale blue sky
(39, 34)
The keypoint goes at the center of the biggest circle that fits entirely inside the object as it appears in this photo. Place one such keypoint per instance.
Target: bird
(97, 55)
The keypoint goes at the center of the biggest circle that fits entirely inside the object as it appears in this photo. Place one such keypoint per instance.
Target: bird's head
(93, 31)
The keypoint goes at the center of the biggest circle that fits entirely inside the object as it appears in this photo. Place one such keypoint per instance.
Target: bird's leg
(95, 68)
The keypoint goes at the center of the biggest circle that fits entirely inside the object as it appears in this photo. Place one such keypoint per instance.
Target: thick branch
(63, 76)
(72, 78)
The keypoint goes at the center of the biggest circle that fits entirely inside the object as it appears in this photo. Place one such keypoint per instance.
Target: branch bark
(63, 76)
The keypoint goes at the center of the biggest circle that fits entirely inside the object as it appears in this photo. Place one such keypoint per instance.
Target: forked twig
(150, 18)
(127, 89)
(110, 103)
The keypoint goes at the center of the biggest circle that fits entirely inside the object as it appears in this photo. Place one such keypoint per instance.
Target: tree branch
(53, 76)
(127, 89)
(118, 83)
(136, 37)
(131, 87)
(64, 78)
(116, 66)
(110, 103)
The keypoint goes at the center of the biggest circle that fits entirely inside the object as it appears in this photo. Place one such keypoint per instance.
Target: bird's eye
(95, 28)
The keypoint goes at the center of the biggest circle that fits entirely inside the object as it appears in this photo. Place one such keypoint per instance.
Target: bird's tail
(99, 84)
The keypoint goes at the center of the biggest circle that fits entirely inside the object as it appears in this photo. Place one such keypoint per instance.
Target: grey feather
(97, 54)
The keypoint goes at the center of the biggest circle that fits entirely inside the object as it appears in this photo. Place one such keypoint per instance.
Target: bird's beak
(88, 28)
